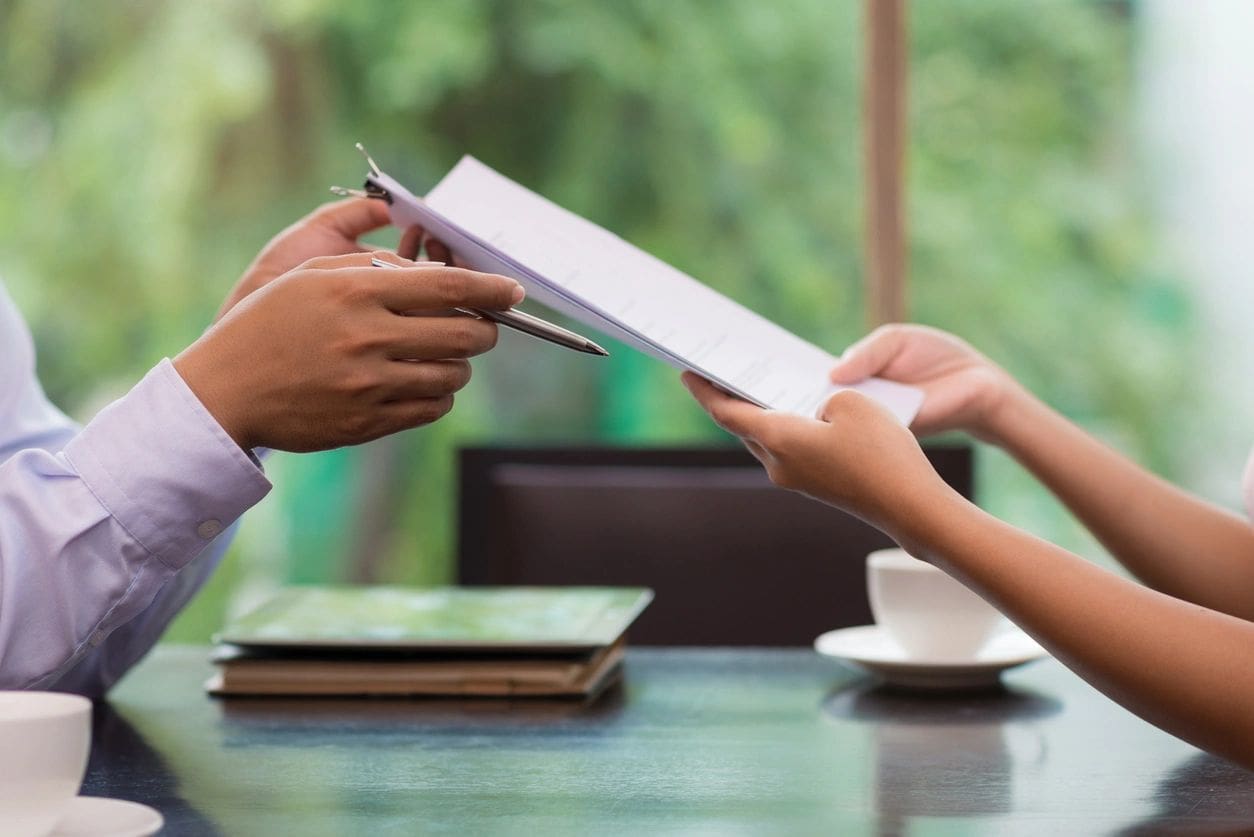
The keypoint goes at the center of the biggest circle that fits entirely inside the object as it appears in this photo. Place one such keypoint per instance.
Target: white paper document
(586, 272)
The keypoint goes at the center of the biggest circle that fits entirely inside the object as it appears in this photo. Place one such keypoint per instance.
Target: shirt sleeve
(94, 533)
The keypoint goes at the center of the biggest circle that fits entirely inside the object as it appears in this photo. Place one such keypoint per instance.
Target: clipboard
(579, 269)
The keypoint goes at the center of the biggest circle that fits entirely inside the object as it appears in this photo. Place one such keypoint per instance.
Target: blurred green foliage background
(149, 148)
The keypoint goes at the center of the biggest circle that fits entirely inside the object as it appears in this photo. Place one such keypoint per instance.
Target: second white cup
(44, 741)
(932, 616)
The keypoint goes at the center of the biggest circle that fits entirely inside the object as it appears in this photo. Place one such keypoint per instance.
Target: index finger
(362, 259)
(437, 287)
(730, 413)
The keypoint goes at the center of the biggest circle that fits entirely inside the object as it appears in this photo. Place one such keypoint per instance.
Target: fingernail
(518, 295)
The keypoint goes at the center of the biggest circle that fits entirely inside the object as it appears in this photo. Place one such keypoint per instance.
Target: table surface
(707, 741)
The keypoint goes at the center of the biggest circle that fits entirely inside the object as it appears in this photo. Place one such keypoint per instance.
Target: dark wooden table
(695, 741)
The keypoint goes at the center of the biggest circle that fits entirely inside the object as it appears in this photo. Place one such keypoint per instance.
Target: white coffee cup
(931, 615)
(44, 742)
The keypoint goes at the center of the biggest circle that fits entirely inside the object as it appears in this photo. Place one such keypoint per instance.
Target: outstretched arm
(100, 530)
(1174, 542)
(1186, 668)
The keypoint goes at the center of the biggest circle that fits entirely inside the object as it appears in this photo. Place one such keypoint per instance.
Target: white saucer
(100, 817)
(869, 647)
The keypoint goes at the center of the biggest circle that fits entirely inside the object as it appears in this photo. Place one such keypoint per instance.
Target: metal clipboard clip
(513, 318)
(370, 189)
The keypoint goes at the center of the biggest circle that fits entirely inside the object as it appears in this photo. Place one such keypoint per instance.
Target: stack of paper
(580, 269)
(553, 642)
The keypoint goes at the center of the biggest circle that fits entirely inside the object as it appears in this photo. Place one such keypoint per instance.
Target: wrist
(903, 512)
(216, 400)
(1018, 422)
(919, 524)
(1004, 405)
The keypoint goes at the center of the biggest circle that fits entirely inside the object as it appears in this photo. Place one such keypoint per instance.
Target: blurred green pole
(318, 509)
(624, 393)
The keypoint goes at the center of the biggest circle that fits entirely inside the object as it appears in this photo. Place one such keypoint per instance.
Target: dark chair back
(733, 559)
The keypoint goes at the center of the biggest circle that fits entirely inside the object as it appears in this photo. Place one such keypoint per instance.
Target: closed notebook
(245, 673)
(507, 641)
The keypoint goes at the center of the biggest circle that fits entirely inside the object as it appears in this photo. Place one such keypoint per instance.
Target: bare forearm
(1170, 539)
(1186, 668)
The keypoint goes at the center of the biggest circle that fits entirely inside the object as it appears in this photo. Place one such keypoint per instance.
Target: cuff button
(209, 529)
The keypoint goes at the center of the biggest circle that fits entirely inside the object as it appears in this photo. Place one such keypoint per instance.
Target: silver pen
(525, 323)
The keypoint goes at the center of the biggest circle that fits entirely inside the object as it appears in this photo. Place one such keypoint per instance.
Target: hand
(963, 390)
(326, 355)
(855, 456)
(330, 230)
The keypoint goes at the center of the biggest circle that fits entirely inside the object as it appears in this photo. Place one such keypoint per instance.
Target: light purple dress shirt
(107, 530)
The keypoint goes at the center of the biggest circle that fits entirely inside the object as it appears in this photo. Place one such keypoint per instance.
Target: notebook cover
(464, 619)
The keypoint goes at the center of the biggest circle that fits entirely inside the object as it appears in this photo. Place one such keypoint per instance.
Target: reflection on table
(708, 740)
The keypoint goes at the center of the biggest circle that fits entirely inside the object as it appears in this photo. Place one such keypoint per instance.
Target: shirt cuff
(165, 469)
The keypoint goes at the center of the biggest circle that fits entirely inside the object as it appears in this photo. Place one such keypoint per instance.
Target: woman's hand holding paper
(963, 390)
(855, 455)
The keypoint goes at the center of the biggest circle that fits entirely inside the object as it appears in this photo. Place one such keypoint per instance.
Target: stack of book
(453, 641)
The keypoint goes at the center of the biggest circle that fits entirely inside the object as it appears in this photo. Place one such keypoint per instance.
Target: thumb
(869, 356)
(847, 402)
(355, 216)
